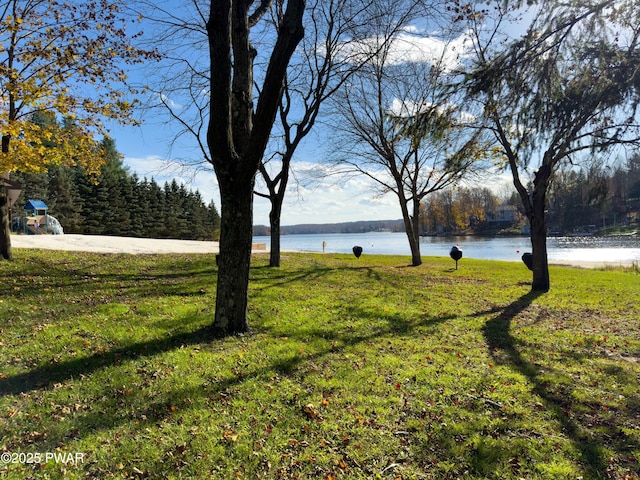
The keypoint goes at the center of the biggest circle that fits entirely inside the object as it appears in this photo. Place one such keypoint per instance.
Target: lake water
(613, 249)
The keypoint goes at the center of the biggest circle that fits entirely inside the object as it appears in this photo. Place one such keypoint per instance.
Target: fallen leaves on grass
(312, 412)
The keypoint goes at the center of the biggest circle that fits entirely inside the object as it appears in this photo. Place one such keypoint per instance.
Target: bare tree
(567, 88)
(322, 66)
(313, 77)
(400, 128)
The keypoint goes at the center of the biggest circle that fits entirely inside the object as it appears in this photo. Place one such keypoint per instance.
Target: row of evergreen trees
(116, 202)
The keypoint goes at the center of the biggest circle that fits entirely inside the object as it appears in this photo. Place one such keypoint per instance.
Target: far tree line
(116, 202)
(580, 199)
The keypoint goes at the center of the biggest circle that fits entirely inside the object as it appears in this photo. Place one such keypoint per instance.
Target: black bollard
(527, 258)
(357, 251)
(456, 254)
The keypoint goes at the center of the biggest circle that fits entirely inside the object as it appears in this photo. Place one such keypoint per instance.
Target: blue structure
(35, 208)
(37, 220)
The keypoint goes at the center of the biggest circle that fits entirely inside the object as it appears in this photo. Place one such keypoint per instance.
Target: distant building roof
(36, 205)
(503, 213)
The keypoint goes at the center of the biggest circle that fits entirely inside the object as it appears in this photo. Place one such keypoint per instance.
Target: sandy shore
(108, 244)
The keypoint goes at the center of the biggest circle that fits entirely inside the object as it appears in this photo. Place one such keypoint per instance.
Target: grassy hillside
(362, 368)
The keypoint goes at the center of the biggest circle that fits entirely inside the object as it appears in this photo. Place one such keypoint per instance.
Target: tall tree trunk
(274, 223)
(277, 187)
(416, 256)
(534, 209)
(541, 282)
(234, 259)
(414, 245)
(237, 137)
(411, 228)
(5, 227)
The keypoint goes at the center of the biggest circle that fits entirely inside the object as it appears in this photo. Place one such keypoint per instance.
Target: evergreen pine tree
(182, 211)
(34, 187)
(136, 204)
(170, 210)
(112, 178)
(65, 201)
(95, 202)
(154, 223)
(197, 216)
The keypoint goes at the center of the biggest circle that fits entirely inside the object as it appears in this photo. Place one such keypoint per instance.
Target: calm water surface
(623, 249)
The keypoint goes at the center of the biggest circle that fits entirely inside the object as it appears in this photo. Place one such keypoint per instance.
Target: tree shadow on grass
(40, 276)
(279, 278)
(165, 405)
(504, 348)
(53, 373)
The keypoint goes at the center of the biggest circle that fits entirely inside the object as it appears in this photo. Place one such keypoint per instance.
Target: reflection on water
(623, 249)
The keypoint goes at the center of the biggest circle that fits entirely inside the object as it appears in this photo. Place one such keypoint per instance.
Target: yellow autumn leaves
(61, 60)
(34, 148)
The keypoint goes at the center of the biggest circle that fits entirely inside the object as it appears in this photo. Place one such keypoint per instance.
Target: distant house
(503, 214)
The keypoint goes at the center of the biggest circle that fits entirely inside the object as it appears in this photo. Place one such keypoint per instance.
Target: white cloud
(150, 166)
(409, 108)
(321, 198)
(169, 102)
(409, 46)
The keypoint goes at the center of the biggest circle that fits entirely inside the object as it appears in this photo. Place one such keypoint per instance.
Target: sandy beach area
(109, 244)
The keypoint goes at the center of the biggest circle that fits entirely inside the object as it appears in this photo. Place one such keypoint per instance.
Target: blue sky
(151, 151)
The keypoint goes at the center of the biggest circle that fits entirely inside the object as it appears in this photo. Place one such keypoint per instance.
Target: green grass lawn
(354, 369)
